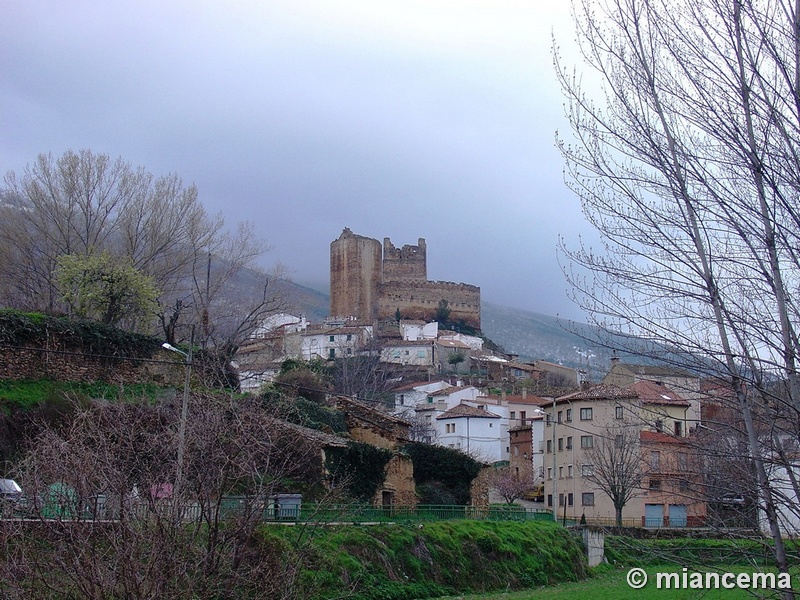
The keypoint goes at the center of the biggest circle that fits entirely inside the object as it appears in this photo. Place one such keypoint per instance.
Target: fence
(285, 511)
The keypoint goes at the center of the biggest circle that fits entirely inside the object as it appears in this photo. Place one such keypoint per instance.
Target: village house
(475, 431)
(365, 424)
(682, 382)
(589, 428)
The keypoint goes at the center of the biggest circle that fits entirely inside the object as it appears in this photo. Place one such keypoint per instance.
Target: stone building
(371, 281)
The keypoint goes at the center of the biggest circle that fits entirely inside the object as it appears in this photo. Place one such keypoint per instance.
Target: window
(522, 415)
(586, 414)
(349, 337)
(570, 499)
(491, 425)
(332, 338)
(430, 399)
(569, 471)
(560, 444)
(559, 416)
(349, 351)
(569, 442)
(549, 446)
(561, 499)
(549, 499)
(420, 353)
(513, 415)
(678, 429)
(549, 472)
(619, 441)
(587, 470)
(569, 415)
(659, 425)
(547, 419)
(619, 412)
(332, 353)
(587, 441)
(587, 499)
(655, 460)
(683, 461)
(655, 484)
(561, 472)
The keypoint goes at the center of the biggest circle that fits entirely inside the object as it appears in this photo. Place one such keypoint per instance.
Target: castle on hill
(370, 282)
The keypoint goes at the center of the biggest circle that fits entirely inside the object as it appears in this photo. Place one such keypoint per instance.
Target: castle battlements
(370, 281)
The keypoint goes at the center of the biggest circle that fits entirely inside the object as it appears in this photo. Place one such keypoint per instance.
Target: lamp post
(555, 481)
(184, 415)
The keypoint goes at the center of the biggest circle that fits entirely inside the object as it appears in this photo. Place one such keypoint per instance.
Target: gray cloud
(405, 120)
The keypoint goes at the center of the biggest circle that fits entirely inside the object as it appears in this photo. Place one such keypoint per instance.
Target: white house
(419, 353)
(407, 396)
(474, 430)
(331, 342)
(472, 341)
(787, 506)
(412, 331)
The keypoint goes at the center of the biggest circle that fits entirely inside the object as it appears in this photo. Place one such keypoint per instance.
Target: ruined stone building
(370, 281)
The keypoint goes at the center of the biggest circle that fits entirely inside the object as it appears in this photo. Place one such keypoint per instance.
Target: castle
(370, 281)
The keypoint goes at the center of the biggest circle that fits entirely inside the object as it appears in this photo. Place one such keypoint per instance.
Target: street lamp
(555, 481)
(184, 415)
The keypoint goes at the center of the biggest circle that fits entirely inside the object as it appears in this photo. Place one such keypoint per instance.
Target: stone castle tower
(369, 282)
(356, 273)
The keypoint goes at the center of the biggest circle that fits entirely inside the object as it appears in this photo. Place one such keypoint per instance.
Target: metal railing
(231, 507)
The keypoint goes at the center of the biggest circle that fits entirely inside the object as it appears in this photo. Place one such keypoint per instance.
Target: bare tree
(616, 467)
(107, 525)
(510, 485)
(688, 170)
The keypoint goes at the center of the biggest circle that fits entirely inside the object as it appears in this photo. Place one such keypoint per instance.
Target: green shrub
(443, 470)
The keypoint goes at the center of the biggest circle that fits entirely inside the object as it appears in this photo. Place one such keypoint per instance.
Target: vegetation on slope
(400, 562)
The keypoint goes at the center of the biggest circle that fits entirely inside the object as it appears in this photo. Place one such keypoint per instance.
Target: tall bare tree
(84, 204)
(685, 156)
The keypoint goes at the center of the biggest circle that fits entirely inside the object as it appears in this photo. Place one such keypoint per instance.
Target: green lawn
(613, 586)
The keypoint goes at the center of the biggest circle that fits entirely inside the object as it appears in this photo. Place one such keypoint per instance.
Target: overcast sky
(402, 119)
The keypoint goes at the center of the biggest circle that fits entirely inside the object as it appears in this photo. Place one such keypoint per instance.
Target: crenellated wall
(420, 300)
(371, 282)
(406, 263)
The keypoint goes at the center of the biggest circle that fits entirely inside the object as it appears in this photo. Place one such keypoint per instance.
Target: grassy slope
(399, 562)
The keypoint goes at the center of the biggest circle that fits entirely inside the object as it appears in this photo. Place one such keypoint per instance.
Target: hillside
(536, 336)
(531, 335)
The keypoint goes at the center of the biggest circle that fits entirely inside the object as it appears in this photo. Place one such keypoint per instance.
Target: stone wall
(406, 263)
(65, 365)
(371, 282)
(420, 300)
(399, 483)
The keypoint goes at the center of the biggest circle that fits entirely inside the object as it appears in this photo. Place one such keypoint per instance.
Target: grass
(611, 584)
(25, 394)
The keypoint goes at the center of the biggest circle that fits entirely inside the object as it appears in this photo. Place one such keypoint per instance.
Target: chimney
(503, 395)
(524, 392)
(614, 361)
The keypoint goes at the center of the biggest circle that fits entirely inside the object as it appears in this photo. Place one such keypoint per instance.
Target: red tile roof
(464, 410)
